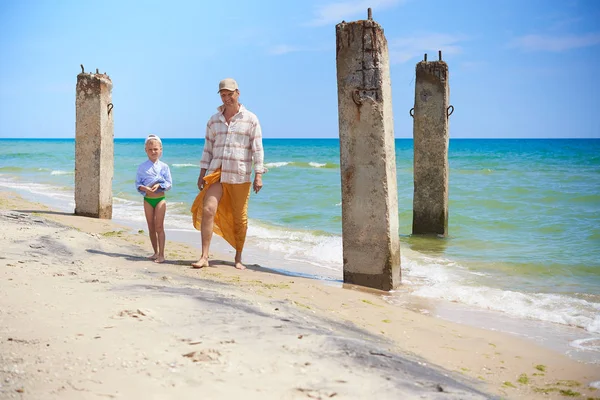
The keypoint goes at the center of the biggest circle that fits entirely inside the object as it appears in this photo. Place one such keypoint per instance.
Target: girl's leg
(159, 225)
(149, 211)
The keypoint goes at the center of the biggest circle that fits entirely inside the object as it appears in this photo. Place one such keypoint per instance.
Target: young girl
(153, 179)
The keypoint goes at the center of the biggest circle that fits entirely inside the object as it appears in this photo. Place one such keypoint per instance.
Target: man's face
(229, 97)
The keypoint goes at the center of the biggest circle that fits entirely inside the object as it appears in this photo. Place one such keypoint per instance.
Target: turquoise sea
(524, 225)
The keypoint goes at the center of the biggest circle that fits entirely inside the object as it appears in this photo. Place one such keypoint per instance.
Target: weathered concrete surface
(94, 146)
(371, 247)
(431, 138)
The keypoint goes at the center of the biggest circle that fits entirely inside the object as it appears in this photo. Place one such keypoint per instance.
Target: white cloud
(565, 22)
(283, 49)
(407, 48)
(334, 13)
(474, 65)
(555, 43)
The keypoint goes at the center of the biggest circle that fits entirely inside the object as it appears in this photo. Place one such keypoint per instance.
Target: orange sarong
(231, 219)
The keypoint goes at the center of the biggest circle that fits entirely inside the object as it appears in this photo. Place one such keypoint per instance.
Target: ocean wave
(184, 165)
(59, 172)
(124, 201)
(59, 197)
(11, 169)
(310, 164)
(586, 344)
(316, 249)
(277, 164)
(555, 308)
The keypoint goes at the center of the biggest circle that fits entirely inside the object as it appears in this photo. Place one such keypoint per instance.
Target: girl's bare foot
(153, 256)
(201, 263)
(239, 265)
(159, 260)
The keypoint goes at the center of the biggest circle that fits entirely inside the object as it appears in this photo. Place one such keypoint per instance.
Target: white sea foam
(554, 308)
(318, 250)
(277, 164)
(587, 344)
(284, 163)
(185, 165)
(40, 192)
(59, 172)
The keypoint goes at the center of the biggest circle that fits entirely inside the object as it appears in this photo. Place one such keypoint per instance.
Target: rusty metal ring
(412, 112)
(448, 111)
(356, 97)
(110, 107)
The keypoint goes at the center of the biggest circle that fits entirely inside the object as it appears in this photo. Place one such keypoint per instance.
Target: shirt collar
(221, 108)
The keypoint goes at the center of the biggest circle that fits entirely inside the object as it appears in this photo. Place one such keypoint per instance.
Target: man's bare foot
(201, 263)
(153, 256)
(239, 265)
(159, 260)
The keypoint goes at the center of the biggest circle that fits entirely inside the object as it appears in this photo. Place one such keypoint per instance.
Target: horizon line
(312, 138)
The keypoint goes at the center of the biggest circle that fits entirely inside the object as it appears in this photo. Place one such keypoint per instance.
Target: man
(233, 142)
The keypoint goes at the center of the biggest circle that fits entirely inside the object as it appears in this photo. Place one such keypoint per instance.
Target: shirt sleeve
(207, 153)
(166, 175)
(257, 149)
(139, 178)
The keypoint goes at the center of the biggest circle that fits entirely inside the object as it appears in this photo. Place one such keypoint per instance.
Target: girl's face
(153, 149)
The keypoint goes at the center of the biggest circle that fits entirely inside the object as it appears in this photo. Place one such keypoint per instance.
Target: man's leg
(239, 204)
(149, 212)
(211, 202)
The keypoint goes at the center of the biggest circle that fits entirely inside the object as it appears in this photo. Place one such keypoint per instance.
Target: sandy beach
(85, 315)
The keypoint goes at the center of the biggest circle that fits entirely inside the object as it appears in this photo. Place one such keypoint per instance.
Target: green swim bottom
(153, 201)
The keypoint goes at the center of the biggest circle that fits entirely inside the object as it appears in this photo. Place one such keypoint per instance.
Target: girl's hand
(155, 187)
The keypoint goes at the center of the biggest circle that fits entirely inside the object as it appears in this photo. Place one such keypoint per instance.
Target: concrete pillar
(94, 145)
(431, 138)
(371, 246)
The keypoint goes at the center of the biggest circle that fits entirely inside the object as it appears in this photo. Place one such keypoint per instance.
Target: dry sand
(84, 315)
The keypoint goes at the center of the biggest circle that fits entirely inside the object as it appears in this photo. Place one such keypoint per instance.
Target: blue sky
(518, 68)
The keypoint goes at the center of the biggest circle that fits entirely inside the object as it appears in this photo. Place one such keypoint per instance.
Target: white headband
(153, 137)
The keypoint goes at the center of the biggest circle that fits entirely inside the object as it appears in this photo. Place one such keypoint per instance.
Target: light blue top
(149, 173)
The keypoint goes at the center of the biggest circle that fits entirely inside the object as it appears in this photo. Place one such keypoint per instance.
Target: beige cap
(228, 84)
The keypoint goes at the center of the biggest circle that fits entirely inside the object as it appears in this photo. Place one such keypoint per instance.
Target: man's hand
(201, 179)
(257, 183)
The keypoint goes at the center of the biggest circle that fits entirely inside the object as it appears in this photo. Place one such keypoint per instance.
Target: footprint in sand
(140, 314)
(203, 355)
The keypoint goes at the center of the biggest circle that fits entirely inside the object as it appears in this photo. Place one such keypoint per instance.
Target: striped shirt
(233, 147)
